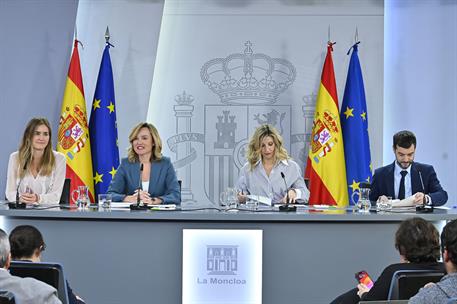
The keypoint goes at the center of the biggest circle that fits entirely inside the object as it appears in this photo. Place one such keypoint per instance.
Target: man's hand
(382, 198)
(419, 198)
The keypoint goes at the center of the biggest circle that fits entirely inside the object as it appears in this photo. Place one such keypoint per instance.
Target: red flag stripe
(319, 193)
(74, 71)
(328, 75)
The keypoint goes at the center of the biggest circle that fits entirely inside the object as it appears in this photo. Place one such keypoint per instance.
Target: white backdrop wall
(420, 92)
(190, 115)
(134, 28)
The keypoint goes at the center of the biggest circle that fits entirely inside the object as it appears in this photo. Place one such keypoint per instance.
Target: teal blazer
(162, 181)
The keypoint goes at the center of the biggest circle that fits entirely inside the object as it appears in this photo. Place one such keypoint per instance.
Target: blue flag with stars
(354, 123)
(103, 128)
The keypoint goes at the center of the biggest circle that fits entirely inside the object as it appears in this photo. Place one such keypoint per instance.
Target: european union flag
(103, 127)
(354, 122)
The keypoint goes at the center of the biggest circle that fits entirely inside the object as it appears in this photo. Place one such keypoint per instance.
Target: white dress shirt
(257, 182)
(49, 188)
(397, 178)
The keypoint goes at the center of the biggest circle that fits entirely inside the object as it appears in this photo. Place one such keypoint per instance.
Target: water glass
(223, 199)
(362, 204)
(104, 201)
(384, 203)
(252, 204)
(232, 198)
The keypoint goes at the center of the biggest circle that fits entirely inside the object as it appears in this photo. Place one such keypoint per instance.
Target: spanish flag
(73, 137)
(326, 169)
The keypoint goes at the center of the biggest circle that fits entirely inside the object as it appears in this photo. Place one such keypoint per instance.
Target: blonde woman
(268, 162)
(158, 183)
(35, 171)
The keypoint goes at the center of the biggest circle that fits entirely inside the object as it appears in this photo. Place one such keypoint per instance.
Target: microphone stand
(18, 204)
(286, 207)
(423, 208)
(139, 205)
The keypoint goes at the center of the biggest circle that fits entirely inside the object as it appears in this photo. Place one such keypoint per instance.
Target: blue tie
(401, 191)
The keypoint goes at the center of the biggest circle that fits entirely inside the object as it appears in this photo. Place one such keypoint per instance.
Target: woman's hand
(156, 201)
(292, 197)
(144, 197)
(242, 197)
(29, 198)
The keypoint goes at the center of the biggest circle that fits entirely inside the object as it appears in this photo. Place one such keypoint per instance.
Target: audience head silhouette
(4, 250)
(26, 243)
(449, 246)
(418, 241)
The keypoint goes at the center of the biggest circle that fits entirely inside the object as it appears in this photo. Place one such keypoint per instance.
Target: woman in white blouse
(36, 172)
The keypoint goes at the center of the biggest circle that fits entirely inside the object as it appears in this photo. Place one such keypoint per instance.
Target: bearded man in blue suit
(404, 177)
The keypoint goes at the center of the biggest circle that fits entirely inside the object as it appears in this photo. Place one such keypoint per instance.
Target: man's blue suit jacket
(162, 181)
(383, 183)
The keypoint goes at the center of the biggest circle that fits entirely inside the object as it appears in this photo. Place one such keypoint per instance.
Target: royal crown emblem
(248, 77)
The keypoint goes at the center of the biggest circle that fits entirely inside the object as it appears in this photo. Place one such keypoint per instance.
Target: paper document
(163, 207)
(407, 202)
(261, 199)
(152, 207)
(120, 205)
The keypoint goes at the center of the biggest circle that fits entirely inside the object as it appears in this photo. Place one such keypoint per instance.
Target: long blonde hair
(25, 155)
(156, 141)
(254, 154)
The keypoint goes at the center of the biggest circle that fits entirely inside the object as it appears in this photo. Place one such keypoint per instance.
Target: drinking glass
(223, 199)
(232, 198)
(384, 203)
(104, 201)
(363, 203)
(252, 204)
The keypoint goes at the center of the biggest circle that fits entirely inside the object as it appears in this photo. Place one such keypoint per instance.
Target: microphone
(139, 205)
(423, 208)
(286, 207)
(287, 189)
(17, 204)
(140, 187)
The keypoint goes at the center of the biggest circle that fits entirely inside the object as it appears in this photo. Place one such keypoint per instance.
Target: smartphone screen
(363, 278)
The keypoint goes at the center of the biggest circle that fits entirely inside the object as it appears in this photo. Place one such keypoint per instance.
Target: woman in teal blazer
(158, 183)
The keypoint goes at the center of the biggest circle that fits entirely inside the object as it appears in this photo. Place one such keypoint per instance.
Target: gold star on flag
(355, 186)
(112, 172)
(96, 104)
(371, 167)
(364, 115)
(111, 107)
(98, 178)
(348, 112)
(368, 179)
